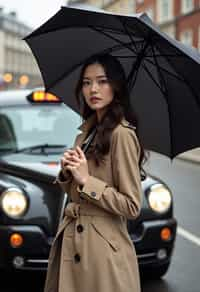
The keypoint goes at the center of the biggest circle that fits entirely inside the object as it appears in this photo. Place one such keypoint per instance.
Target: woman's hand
(76, 162)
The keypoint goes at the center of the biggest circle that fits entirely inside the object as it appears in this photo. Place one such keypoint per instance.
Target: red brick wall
(147, 3)
(196, 4)
(190, 22)
(184, 22)
(177, 7)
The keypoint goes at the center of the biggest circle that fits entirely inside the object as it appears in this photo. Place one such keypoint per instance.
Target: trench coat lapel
(62, 226)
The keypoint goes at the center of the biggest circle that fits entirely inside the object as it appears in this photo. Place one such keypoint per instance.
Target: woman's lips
(94, 99)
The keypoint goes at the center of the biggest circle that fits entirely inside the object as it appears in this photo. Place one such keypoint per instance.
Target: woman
(92, 251)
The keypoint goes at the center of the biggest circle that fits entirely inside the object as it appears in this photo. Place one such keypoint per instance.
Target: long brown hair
(119, 107)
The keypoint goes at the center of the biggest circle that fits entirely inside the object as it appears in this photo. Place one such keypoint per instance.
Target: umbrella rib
(136, 65)
(164, 55)
(128, 32)
(119, 32)
(160, 76)
(194, 94)
(162, 79)
(170, 73)
(152, 78)
(71, 27)
(113, 38)
(124, 56)
(109, 29)
(166, 100)
(144, 37)
(132, 82)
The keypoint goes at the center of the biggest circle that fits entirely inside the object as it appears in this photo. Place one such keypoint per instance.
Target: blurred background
(18, 69)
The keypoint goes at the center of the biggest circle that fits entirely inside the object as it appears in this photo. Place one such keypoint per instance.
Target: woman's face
(96, 89)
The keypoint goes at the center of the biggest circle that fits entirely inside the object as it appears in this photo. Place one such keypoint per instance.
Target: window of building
(107, 2)
(186, 37)
(165, 10)
(131, 6)
(187, 6)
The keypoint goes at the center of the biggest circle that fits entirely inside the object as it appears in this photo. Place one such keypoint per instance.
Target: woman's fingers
(62, 162)
(71, 163)
(71, 153)
(65, 162)
(69, 167)
(80, 152)
(74, 159)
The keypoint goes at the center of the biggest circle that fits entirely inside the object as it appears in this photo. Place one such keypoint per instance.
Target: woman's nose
(94, 87)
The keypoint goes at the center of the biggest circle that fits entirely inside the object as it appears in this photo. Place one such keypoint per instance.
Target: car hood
(45, 170)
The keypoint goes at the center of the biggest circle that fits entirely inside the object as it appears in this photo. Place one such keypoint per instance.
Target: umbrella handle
(86, 145)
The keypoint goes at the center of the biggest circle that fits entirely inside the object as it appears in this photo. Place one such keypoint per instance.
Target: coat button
(77, 258)
(93, 194)
(80, 228)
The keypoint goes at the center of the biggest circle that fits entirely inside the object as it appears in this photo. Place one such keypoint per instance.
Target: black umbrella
(162, 74)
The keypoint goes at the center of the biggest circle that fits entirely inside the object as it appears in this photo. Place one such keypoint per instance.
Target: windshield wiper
(7, 150)
(43, 147)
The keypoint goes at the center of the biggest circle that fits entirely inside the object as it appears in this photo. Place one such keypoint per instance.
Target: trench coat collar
(92, 120)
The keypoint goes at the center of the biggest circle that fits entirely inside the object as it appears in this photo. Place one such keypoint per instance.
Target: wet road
(183, 178)
(183, 276)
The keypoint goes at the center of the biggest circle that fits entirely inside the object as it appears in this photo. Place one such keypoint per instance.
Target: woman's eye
(102, 81)
(86, 83)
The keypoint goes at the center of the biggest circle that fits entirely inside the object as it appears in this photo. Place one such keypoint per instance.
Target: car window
(25, 126)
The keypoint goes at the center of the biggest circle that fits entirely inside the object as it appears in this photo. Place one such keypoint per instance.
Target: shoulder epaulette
(128, 125)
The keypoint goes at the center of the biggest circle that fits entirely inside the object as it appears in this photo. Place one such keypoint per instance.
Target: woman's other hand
(74, 160)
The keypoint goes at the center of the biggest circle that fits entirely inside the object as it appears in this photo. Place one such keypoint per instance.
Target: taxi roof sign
(43, 97)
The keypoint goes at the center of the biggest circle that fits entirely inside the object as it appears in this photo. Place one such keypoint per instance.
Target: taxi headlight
(14, 202)
(159, 198)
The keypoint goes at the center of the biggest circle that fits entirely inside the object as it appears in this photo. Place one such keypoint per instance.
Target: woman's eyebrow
(99, 76)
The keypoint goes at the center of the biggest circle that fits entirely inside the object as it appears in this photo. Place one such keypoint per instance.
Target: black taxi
(35, 129)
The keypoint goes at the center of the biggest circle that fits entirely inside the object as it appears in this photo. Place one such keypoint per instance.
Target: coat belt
(74, 210)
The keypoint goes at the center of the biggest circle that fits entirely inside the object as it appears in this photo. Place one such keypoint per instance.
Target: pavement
(192, 155)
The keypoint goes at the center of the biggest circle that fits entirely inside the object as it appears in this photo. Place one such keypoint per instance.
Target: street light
(7, 77)
(23, 80)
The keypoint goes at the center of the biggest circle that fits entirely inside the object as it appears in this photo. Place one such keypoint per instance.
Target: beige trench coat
(92, 250)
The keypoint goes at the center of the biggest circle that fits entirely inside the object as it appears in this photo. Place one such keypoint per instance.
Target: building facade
(179, 18)
(18, 68)
(119, 6)
(115, 6)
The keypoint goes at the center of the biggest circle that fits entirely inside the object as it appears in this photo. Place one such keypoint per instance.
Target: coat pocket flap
(106, 236)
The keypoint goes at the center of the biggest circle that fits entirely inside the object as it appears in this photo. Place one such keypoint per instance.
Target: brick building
(178, 18)
(119, 6)
(115, 6)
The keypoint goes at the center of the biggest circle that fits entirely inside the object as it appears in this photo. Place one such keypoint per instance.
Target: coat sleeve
(125, 197)
(64, 179)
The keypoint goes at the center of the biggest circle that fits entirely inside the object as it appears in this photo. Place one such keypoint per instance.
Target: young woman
(92, 250)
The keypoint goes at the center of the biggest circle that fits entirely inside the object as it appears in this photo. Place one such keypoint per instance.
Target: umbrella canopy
(162, 74)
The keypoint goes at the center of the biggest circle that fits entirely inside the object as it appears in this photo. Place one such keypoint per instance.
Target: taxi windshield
(24, 127)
